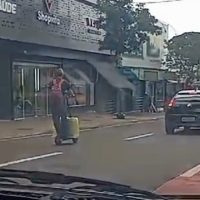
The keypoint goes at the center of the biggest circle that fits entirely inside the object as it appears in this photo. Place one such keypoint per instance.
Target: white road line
(191, 172)
(30, 159)
(139, 137)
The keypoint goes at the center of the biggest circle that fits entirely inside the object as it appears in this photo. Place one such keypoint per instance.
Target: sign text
(8, 7)
(49, 19)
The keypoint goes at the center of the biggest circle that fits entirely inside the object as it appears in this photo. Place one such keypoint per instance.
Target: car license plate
(188, 119)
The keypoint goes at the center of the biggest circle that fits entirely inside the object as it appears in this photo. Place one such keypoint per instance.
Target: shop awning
(111, 74)
(129, 73)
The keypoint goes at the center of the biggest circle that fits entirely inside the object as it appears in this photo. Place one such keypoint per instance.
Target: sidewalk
(187, 184)
(43, 125)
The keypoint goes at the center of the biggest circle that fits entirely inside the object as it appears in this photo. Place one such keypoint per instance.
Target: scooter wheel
(58, 141)
(75, 140)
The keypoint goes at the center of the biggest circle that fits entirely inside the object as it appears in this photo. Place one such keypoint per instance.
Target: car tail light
(172, 103)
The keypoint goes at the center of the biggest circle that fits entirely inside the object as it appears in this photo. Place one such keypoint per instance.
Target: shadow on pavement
(189, 132)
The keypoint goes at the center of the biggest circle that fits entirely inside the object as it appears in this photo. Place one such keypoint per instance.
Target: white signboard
(48, 18)
(8, 7)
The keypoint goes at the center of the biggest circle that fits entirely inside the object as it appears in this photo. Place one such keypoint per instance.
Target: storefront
(155, 86)
(149, 81)
(30, 91)
(23, 81)
(172, 85)
(37, 37)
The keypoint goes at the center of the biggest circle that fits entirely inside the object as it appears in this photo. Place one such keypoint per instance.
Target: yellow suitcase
(69, 131)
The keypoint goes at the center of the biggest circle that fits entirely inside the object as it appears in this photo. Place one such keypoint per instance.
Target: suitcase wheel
(58, 141)
(75, 140)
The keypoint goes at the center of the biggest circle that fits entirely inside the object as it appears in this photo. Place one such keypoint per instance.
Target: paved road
(113, 154)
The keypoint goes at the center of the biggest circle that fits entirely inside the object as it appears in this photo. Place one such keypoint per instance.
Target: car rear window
(187, 99)
(188, 93)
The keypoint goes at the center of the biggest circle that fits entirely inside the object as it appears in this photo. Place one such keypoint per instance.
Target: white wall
(148, 61)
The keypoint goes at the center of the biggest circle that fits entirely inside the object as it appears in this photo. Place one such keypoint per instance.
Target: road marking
(30, 159)
(191, 172)
(139, 137)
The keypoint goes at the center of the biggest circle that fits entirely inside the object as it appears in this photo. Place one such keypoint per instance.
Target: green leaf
(184, 55)
(125, 24)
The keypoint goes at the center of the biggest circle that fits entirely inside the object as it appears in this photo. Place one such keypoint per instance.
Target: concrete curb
(33, 135)
(122, 124)
(50, 132)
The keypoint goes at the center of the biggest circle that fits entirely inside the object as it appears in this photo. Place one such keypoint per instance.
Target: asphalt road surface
(141, 155)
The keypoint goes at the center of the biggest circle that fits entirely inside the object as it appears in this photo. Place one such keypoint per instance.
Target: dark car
(183, 111)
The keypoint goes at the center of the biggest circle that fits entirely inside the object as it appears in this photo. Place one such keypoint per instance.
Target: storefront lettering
(96, 32)
(49, 19)
(93, 26)
(92, 23)
(8, 7)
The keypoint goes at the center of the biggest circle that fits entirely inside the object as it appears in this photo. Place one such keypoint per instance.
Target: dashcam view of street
(99, 99)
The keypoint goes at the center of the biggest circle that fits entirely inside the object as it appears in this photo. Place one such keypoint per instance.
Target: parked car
(183, 111)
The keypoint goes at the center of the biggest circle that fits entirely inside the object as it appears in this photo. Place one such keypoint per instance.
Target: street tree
(127, 26)
(183, 56)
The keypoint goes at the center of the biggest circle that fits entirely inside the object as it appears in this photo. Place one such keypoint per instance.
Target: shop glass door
(30, 91)
(18, 92)
(29, 87)
(42, 77)
(23, 92)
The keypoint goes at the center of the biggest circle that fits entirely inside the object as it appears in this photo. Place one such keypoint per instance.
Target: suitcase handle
(67, 107)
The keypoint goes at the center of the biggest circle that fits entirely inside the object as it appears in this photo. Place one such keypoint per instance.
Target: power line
(158, 2)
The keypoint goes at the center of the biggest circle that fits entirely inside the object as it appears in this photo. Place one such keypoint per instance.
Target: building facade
(37, 37)
(144, 69)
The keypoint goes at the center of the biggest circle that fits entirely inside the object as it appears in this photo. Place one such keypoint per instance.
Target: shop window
(80, 96)
(160, 91)
(82, 85)
(30, 94)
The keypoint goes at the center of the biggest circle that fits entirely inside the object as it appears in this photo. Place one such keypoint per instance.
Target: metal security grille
(29, 26)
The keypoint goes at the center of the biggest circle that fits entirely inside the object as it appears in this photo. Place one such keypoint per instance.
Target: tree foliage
(126, 25)
(184, 55)
(187, 46)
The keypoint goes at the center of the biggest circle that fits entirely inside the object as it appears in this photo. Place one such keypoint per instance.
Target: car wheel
(169, 129)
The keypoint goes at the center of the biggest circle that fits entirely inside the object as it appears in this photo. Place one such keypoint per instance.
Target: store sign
(49, 4)
(93, 26)
(8, 7)
(48, 18)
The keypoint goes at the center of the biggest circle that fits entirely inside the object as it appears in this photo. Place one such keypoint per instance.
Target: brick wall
(72, 32)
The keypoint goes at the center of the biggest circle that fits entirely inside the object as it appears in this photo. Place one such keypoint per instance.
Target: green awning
(129, 73)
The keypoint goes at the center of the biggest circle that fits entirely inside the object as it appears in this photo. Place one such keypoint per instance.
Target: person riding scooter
(59, 87)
